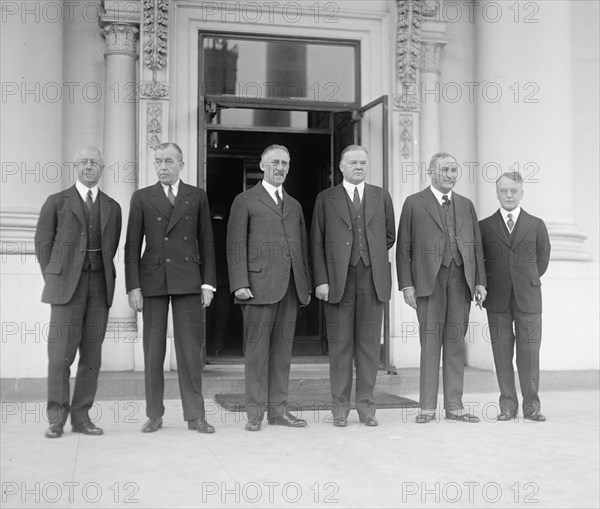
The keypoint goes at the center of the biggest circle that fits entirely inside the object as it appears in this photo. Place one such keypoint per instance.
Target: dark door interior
(232, 166)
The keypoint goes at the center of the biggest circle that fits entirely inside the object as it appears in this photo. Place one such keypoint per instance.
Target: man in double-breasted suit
(516, 249)
(75, 242)
(440, 269)
(267, 253)
(178, 266)
(352, 230)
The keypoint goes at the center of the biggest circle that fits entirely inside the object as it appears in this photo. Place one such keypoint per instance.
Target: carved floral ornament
(156, 26)
(408, 50)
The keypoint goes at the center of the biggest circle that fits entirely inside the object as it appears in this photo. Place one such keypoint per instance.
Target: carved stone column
(121, 172)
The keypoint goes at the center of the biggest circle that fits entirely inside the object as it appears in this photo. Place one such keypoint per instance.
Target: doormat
(302, 401)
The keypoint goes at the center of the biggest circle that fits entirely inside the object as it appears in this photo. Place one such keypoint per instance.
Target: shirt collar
(515, 213)
(349, 187)
(270, 188)
(438, 195)
(174, 186)
(83, 191)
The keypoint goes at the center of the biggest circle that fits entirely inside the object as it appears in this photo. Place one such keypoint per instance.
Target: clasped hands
(136, 299)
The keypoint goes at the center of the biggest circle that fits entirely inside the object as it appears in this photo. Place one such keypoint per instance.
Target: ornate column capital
(431, 52)
(120, 39)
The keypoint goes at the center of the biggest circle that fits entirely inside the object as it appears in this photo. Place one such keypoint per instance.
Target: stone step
(229, 378)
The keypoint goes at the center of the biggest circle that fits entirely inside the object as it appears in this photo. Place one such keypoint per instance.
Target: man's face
(89, 166)
(167, 164)
(275, 165)
(354, 166)
(510, 193)
(444, 174)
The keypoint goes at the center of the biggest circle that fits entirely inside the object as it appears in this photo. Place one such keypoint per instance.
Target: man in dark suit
(75, 242)
(352, 230)
(516, 249)
(267, 253)
(178, 266)
(440, 269)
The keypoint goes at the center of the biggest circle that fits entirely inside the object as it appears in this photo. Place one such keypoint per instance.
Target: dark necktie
(510, 223)
(171, 196)
(445, 201)
(89, 200)
(279, 200)
(356, 199)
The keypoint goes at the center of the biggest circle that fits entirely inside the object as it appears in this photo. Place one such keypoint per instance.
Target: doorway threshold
(232, 360)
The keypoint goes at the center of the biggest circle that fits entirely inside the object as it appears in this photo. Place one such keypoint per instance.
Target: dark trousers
(443, 319)
(269, 336)
(79, 324)
(188, 317)
(354, 334)
(526, 328)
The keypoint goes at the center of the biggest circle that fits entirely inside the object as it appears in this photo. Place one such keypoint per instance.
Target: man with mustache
(352, 230)
(440, 268)
(267, 254)
(177, 267)
(76, 240)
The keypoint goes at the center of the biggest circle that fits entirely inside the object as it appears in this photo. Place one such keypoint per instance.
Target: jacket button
(187, 259)
(159, 218)
(184, 238)
(166, 238)
(168, 260)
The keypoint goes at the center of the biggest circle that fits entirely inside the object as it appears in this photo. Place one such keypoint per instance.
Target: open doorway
(232, 165)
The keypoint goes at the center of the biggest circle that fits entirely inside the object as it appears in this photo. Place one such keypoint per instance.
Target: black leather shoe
(424, 418)
(152, 425)
(201, 426)
(287, 420)
(536, 417)
(340, 422)
(462, 417)
(87, 428)
(506, 415)
(55, 430)
(369, 420)
(253, 425)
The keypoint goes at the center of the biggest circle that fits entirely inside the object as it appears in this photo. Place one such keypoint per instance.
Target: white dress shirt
(174, 186)
(83, 191)
(439, 195)
(350, 187)
(515, 214)
(271, 190)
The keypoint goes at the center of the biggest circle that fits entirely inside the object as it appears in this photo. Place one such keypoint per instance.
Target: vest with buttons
(451, 251)
(360, 246)
(93, 254)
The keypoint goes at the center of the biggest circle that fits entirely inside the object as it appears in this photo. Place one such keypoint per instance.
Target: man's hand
(243, 294)
(410, 296)
(322, 292)
(207, 297)
(136, 300)
(480, 294)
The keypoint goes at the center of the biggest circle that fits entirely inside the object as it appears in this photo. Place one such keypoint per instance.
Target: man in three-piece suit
(75, 242)
(516, 249)
(178, 266)
(352, 230)
(267, 253)
(440, 269)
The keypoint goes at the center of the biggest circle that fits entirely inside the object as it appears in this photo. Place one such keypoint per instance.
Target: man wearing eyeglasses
(177, 267)
(267, 254)
(75, 242)
(440, 269)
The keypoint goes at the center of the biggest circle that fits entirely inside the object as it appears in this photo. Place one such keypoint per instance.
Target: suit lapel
(521, 227)
(499, 228)
(460, 211)
(264, 197)
(370, 202)
(182, 202)
(428, 201)
(160, 201)
(72, 197)
(339, 203)
(105, 210)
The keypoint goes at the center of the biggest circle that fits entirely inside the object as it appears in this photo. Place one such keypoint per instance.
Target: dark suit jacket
(515, 263)
(179, 256)
(261, 248)
(60, 243)
(331, 239)
(421, 240)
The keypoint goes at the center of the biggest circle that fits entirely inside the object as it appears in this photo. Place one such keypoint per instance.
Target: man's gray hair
(515, 176)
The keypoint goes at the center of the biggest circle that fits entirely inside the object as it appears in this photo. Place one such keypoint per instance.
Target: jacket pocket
(254, 266)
